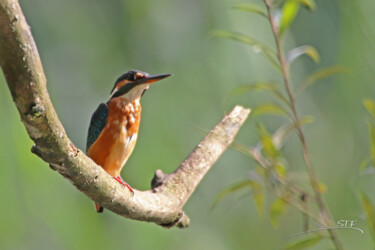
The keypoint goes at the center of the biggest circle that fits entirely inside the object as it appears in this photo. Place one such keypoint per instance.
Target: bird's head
(134, 83)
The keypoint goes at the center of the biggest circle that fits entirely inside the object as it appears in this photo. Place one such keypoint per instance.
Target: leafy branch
(271, 167)
(306, 154)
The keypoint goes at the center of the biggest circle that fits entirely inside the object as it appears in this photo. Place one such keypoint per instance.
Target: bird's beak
(152, 79)
(148, 79)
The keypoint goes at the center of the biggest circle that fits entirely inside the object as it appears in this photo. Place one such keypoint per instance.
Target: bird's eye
(131, 77)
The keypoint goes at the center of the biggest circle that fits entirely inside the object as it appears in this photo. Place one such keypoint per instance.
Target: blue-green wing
(98, 122)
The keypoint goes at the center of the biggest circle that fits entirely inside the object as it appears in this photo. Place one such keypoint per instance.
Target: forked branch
(22, 67)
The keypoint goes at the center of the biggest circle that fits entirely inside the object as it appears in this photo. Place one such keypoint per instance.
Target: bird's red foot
(122, 182)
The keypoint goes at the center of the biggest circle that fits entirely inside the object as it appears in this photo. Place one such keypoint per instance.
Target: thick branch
(24, 74)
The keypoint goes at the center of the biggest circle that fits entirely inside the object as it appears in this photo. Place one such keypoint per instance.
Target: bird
(114, 125)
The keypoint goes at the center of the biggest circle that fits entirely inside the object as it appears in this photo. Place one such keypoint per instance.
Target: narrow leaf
(309, 4)
(288, 14)
(370, 213)
(305, 243)
(283, 132)
(241, 149)
(244, 89)
(281, 97)
(250, 8)
(370, 106)
(262, 86)
(253, 153)
(257, 46)
(278, 208)
(322, 187)
(307, 120)
(317, 76)
(267, 143)
(242, 38)
(258, 197)
(227, 191)
(365, 168)
(269, 108)
(280, 169)
(303, 50)
(372, 141)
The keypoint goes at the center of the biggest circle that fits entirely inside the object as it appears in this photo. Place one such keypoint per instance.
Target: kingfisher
(114, 126)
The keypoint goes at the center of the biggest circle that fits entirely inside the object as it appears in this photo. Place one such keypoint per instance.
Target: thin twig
(310, 169)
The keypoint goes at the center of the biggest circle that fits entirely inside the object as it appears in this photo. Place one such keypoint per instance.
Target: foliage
(268, 152)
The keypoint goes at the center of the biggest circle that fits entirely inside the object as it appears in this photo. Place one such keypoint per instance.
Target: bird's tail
(99, 208)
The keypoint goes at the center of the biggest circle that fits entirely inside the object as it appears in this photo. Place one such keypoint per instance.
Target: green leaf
(278, 208)
(269, 108)
(365, 168)
(244, 89)
(322, 187)
(309, 4)
(370, 213)
(283, 132)
(248, 7)
(288, 14)
(372, 141)
(303, 50)
(241, 148)
(317, 76)
(227, 191)
(280, 169)
(307, 120)
(258, 197)
(253, 153)
(257, 46)
(302, 244)
(267, 143)
(262, 86)
(370, 106)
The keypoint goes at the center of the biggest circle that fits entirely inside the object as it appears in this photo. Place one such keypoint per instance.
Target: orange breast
(117, 140)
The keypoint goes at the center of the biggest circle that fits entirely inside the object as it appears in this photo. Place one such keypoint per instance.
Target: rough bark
(22, 67)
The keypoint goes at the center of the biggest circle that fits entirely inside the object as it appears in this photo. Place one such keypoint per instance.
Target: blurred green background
(85, 45)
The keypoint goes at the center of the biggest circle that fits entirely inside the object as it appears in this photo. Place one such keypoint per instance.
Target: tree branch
(22, 67)
(324, 212)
